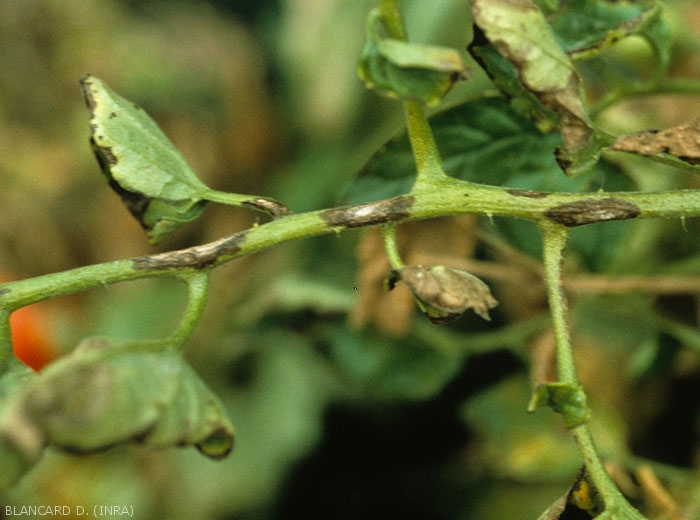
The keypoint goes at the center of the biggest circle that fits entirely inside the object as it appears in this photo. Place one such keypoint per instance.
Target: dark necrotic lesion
(371, 213)
(583, 212)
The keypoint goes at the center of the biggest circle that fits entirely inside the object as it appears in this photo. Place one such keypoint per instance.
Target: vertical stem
(6, 353)
(391, 15)
(425, 151)
(391, 246)
(554, 238)
(197, 292)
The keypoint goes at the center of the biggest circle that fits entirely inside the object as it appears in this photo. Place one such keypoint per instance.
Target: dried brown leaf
(681, 141)
(448, 241)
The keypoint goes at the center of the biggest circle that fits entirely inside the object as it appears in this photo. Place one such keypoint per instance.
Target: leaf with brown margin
(521, 34)
(681, 142)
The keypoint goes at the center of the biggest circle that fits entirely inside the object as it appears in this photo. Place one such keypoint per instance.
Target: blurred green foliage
(332, 419)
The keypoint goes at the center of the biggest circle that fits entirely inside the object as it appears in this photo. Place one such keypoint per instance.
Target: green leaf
(387, 369)
(584, 28)
(142, 166)
(483, 141)
(153, 179)
(407, 70)
(521, 34)
(16, 376)
(103, 395)
(563, 398)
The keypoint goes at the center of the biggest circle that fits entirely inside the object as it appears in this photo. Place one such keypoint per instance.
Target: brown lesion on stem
(271, 207)
(527, 193)
(369, 214)
(583, 212)
(197, 257)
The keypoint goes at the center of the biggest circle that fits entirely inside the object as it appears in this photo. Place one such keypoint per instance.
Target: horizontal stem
(447, 197)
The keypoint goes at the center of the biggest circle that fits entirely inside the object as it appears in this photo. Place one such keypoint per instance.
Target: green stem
(391, 15)
(6, 354)
(447, 197)
(425, 150)
(391, 247)
(197, 292)
(420, 135)
(554, 238)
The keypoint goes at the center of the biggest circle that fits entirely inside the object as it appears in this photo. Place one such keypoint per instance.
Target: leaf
(584, 28)
(13, 464)
(103, 395)
(505, 78)
(522, 35)
(407, 70)
(681, 142)
(391, 369)
(444, 293)
(483, 141)
(563, 398)
(154, 181)
(142, 166)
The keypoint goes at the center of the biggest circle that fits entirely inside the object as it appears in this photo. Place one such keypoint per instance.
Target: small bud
(563, 398)
(444, 293)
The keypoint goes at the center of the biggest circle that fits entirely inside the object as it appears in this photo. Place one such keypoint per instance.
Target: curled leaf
(444, 293)
(153, 179)
(407, 70)
(520, 32)
(565, 399)
(681, 142)
(12, 463)
(104, 395)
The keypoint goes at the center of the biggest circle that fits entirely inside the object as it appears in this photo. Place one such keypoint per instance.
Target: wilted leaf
(13, 464)
(104, 395)
(563, 398)
(444, 293)
(522, 35)
(681, 142)
(505, 79)
(407, 70)
(447, 240)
